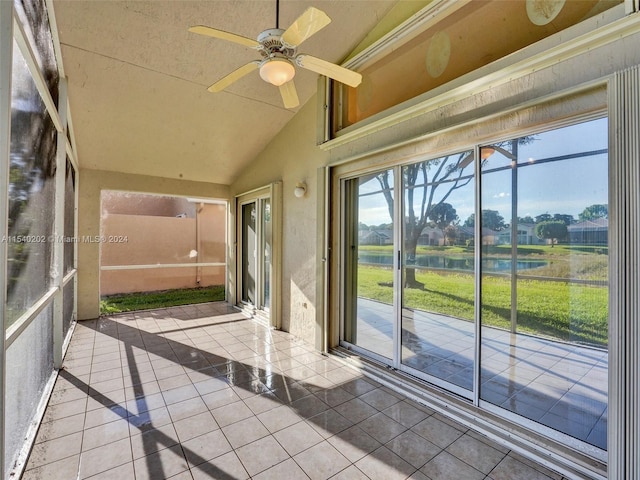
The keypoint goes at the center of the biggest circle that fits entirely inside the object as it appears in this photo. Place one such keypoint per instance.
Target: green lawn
(560, 310)
(167, 298)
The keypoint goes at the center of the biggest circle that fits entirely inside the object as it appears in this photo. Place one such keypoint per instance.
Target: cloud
(502, 195)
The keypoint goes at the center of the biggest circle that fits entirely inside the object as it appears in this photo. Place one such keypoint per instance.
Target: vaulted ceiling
(138, 80)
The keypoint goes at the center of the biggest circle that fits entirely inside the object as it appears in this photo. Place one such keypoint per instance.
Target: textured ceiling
(138, 80)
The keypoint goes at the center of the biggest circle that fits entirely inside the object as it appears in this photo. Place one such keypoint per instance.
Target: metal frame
(12, 30)
(273, 193)
(624, 273)
(396, 361)
(6, 62)
(59, 211)
(398, 261)
(59, 117)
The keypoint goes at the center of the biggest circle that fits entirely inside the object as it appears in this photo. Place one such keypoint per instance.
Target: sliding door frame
(273, 194)
(356, 168)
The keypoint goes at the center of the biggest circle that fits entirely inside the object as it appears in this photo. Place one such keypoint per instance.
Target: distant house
(431, 236)
(590, 232)
(489, 237)
(526, 235)
(375, 237)
(465, 234)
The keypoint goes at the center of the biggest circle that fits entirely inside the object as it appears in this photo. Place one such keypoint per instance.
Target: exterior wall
(149, 240)
(213, 239)
(127, 203)
(89, 210)
(152, 240)
(155, 279)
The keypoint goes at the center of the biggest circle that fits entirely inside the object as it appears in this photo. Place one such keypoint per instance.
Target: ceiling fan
(278, 49)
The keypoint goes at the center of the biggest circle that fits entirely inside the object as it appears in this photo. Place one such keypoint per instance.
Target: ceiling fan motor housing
(271, 41)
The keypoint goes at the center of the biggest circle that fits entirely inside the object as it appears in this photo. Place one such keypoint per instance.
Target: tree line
(549, 227)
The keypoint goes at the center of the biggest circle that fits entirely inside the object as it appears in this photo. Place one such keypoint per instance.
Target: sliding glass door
(489, 277)
(255, 246)
(545, 310)
(438, 332)
(249, 252)
(370, 254)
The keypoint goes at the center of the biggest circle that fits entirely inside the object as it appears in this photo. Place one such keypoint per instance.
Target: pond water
(453, 263)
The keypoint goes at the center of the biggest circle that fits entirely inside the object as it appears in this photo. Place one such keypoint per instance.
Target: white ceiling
(138, 80)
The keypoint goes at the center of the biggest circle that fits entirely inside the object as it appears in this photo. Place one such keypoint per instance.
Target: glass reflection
(249, 239)
(544, 329)
(370, 318)
(33, 15)
(31, 193)
(68, 300)
(69, 217)
(266, 249)
(438, 274)
(457, 44)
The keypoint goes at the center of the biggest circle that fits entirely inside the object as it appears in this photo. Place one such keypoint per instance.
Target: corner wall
(91, 184)
(293, 157)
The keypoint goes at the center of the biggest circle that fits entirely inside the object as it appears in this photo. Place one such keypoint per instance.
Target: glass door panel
(438, 329)
(266, 253)
(249, 245)
(541, 244)
(545, 308)
(370, 315)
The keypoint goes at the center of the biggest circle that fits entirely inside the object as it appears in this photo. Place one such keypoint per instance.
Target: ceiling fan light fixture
(277, 71)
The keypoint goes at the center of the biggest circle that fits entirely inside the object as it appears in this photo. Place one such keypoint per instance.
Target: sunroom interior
(462, 228)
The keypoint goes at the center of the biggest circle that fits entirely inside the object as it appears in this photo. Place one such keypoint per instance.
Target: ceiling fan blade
(310, 22)
(331, 70)
(233, 76)
(221, 34)
(289, 94)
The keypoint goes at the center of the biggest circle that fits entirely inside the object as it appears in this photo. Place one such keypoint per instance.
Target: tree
(564, 218)
(553, 230)
(490, 219)
(428, 185)
(443, 215)
(470, 221)
(451, 234)
(594, 211)
(493, 220)
(527, 219)
(543, 217)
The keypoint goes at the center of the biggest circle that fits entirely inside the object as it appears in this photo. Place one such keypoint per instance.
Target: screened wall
(39, 174)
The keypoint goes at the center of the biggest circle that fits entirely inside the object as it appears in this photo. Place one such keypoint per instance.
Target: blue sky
(565, 187)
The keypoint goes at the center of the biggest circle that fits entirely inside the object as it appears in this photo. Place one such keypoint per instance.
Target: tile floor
(559, 385)
(201, 392)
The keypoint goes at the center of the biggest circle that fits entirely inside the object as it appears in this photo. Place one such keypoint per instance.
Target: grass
(167, 298)
(559, 310)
